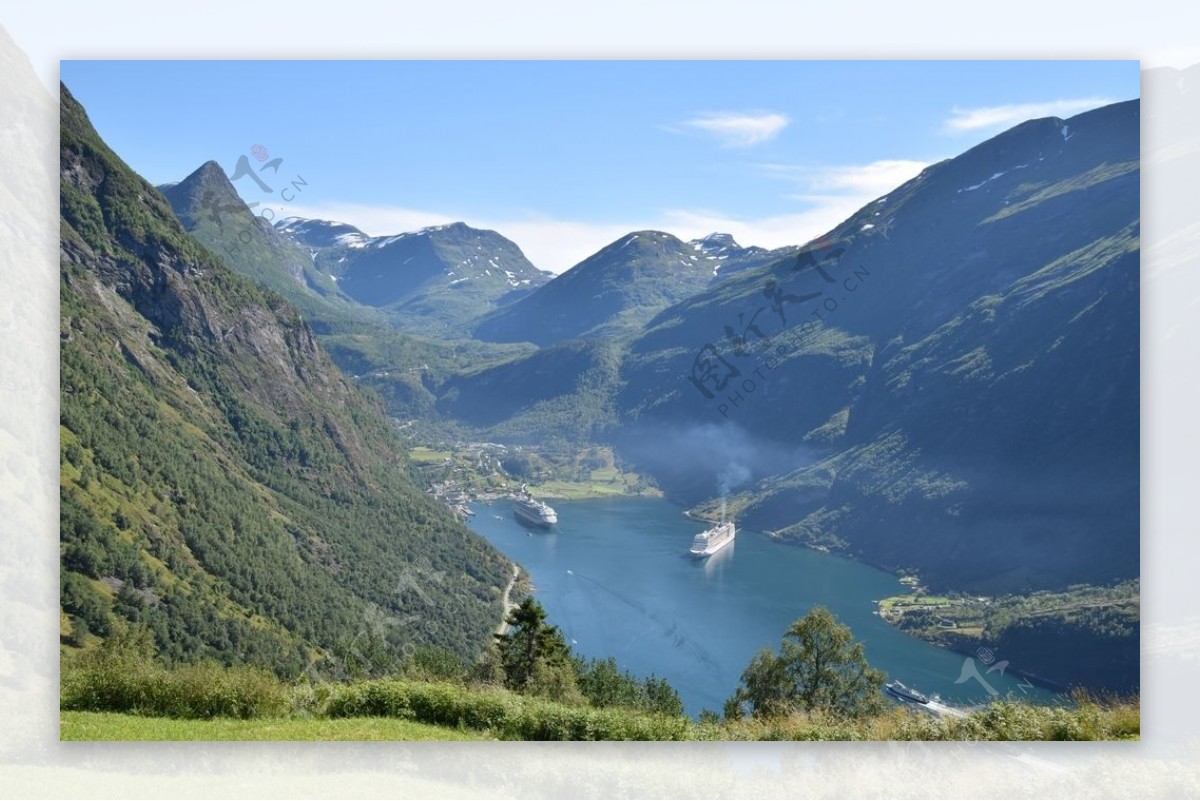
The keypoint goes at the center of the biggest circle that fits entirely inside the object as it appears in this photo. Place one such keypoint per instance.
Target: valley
(838, 353)
(291, 445)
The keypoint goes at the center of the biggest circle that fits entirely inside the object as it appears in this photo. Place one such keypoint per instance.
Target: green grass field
(576, 490)
(603, 483)
(900, 601)
(423, 455)
(117, 726)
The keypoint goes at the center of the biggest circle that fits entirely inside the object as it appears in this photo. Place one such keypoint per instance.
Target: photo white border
(33, 763)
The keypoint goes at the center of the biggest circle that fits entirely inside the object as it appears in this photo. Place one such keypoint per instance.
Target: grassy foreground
(120, 692)
(123, 726)
(403, 709)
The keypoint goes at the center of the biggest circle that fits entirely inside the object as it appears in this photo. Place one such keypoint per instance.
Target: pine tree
(531, 648)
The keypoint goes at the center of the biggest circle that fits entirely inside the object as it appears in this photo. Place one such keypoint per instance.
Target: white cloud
(829, 195)
(972, 119)
(863, 181)
(740, 130)
(833, 193)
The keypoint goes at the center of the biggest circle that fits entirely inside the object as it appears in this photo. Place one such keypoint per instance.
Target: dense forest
(222, 482)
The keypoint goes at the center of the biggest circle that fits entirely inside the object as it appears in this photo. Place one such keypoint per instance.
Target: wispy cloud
(861, 182)
(962, 120)
(740, 130)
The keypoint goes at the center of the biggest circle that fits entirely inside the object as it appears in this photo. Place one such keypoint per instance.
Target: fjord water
(616, 577)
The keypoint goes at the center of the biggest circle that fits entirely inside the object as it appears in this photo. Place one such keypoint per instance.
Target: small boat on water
(897, 689)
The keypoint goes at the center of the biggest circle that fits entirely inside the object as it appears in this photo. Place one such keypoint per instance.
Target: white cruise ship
(714, 539)
(534, 512)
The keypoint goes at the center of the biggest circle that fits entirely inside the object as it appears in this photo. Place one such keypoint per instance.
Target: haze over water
(615, 575)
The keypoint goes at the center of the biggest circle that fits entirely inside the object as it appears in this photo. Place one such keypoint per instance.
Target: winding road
(508, 605)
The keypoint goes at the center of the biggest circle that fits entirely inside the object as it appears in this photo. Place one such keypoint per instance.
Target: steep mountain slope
(433, 281)
(220, 480)
(948, 381)
(565, 391)
(210, 209)
(611, 293)
(403, 367)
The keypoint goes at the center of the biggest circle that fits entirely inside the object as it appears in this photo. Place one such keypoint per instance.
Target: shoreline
(944, 644)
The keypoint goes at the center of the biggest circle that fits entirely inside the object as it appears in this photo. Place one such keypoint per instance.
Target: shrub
(209, 690)
(503, 713)
(122, 676)
(432, 664)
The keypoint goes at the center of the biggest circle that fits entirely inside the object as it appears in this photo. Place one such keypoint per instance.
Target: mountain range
(946, 383)
(433, 281)
(625, 284)
(958, 358)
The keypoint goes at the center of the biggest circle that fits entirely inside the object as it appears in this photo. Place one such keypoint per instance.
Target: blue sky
(564, 157)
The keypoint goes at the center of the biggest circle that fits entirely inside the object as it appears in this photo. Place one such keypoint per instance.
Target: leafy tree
(819, 667)
(605, 685)
(84, 602)
(661, 697)
(555, 679)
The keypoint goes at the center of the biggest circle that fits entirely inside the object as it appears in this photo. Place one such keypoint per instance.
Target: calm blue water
(616, 577)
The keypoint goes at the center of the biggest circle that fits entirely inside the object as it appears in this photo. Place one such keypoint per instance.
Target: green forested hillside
(608, 295)
(946, 383)
(221, 480)
(1085, 636)
(563, 392)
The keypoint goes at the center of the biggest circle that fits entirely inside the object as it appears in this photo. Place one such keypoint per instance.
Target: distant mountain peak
(322, 233)
(210, 168)
(207, 193)
(716, 241)
(208, 177)
(454, 227)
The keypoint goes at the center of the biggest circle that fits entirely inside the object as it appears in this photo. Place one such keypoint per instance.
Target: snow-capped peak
(716, 243)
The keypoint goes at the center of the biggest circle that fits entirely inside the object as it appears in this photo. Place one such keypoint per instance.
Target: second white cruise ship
(706, 543)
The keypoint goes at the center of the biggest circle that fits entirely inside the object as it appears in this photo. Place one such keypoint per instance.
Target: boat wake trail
(668, 629)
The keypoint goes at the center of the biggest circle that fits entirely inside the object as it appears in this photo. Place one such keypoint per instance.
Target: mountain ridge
(434, 280)
(619, 288)
(1034, 231)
